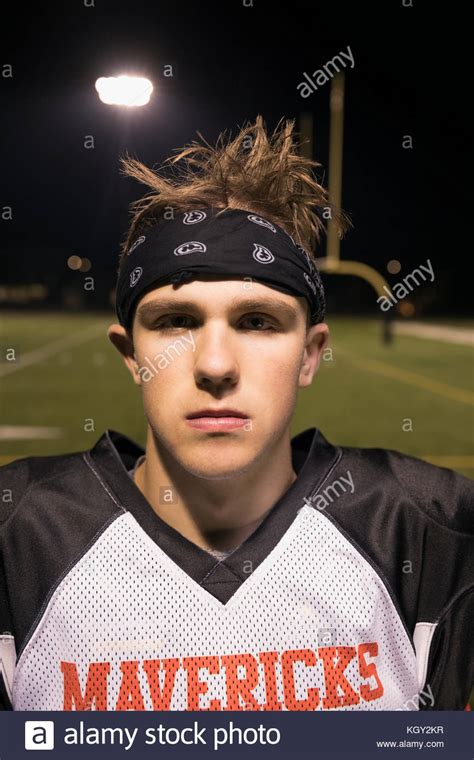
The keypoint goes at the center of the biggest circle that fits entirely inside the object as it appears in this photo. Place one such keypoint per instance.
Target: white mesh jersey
(108, 608)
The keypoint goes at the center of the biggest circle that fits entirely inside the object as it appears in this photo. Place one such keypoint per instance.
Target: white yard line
(29, 432)
(48, 350)
(463, 336)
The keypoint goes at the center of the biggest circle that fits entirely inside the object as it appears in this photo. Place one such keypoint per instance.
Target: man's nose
(215, 358)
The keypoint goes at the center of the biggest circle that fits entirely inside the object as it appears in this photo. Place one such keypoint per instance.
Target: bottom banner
(279, 735)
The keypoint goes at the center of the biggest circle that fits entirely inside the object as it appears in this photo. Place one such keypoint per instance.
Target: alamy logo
(39, 734)
(135, 276)
(193, 217)
(262, 254)
(137, 242)
(192, 247)
(263, 222)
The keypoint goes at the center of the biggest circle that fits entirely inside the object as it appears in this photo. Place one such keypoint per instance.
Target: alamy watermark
(152, 367)
(406, 286)
(419, 698)
(323, 75)
(333, 491)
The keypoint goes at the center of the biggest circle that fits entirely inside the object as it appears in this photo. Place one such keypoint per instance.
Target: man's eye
(172, 322)
(258, 323)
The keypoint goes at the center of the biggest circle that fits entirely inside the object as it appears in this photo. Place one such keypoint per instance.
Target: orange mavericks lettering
(240, 687)
(195, 685)
(287, 660)
(130, 695)
(96, 687)
(334, 677)
(368, 670)
(269, 661)
(161, 700)
(240, 675)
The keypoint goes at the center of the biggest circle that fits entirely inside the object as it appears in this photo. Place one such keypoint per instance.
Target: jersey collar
(313, 459)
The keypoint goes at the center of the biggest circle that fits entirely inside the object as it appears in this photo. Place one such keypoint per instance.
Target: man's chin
(212, 462)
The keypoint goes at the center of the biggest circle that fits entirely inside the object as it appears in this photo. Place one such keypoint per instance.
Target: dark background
(230, 63)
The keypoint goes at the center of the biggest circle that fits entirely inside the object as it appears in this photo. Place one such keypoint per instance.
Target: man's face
(220, 345)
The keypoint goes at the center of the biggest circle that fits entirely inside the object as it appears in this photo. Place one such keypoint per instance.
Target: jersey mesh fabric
(126, 600)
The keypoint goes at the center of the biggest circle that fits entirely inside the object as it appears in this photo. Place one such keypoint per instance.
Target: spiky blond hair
(254, 171)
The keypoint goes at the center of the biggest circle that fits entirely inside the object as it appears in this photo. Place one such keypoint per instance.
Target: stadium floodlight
(124, 90)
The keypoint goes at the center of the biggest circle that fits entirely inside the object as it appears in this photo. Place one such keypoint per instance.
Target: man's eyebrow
(152, 308)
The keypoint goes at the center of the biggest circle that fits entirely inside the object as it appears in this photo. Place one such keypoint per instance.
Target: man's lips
(224, 412)
(217, 420)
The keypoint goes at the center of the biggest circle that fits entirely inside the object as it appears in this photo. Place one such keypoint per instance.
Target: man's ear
(123, 342)
(317, 337)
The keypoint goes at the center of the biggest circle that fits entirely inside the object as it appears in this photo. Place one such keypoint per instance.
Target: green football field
(414, 396)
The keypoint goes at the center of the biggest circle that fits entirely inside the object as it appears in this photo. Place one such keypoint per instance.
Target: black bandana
(210, 241)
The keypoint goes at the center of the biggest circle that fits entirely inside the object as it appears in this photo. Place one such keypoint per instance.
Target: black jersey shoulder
(414, 520)
(441, 494)
(53, 508)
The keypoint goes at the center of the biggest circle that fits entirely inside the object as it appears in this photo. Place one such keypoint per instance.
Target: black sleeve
(53, 508)
(415, 522)
(446, 581)
(6, 642)
(14, 482)
(451, 663)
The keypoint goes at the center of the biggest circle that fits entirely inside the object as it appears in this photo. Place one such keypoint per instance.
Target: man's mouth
(217, 420)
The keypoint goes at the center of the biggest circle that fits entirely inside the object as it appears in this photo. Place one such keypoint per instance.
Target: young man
(227, 566)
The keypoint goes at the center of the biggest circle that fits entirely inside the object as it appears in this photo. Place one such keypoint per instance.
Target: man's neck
(215, 514)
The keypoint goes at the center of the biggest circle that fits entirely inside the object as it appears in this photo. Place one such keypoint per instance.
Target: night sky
(230, 63)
